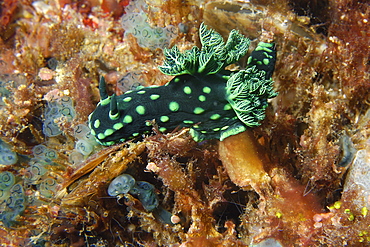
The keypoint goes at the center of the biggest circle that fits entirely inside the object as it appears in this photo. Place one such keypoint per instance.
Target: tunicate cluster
(347, 151)
(41, 152)
(37, 172)
(57, 108)
(144, 191)
(85, 144)
(125, 183)
(12, 198)
(130, 81)
(135, 22)
(121, 185)
(47, 187)
(269, 242)
(357, 183)
(7, 156)
(6, 84)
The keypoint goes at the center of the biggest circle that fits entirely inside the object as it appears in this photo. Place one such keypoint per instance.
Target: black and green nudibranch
(211, 101)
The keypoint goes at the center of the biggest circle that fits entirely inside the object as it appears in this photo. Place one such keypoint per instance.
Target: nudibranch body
(213, 102)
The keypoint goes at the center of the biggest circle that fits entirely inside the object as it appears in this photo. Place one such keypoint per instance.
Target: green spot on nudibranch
(105, 101)
(264, 47)
(135, 134)
(101, 136)
(164, 119)
(154, 96)
(187, 90)
(227, 107)
(148, 123)
(96, 123)
(127, 119)
(140, 109)
(127, 99)
(174, 106)
(162, 129)
(206, 89)
(193, 133)
(266, 61)
(177, 79)
(216, 129)
(108, 132)
(231, 131)
(267, 55)
(141, 92)
(188, 122)
(118, 126)
(264, 44)
(92, 132)
(202, 98)
(198, 110)
(225, 127)
(215, 116)
(114, 117)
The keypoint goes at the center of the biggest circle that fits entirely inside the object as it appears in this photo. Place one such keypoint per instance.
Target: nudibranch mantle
(213, 102)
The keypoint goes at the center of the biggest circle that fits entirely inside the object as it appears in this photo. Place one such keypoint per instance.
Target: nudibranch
(213, 102)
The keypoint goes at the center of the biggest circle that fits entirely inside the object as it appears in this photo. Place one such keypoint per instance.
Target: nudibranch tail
(264, 58)
(248, 90)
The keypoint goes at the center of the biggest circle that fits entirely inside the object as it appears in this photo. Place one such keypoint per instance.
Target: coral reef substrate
(298, 179)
